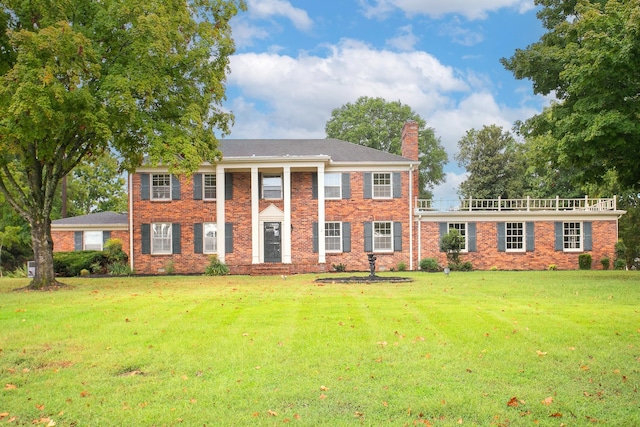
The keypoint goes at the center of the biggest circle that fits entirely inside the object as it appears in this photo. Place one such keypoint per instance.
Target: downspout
(130, 184)
(410, 218)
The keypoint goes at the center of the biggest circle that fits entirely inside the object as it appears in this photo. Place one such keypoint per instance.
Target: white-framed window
(92, 241)
(333, 236)
(572, 236)
(515, 237)
(382, 188)
(161, 238)
(332, 185)
(210, 237)
(461, 227)
(209, 186)
(271, 186)
(160, 186)
(383, 236)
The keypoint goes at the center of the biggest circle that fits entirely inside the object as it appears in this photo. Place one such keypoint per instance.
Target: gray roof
(99, 218)
(338, 150)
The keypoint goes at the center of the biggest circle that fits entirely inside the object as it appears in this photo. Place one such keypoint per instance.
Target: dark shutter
(175, 238)
(442, 227)
(145, 231)
(346, 237)
(346, 185)
(175, 187)
(314, 185)
(559, 245)
(77, 240)
(197, 238)
(228, 186)
(314, 239)
(531, 238)
(471, 237)
(367, 185)
(197, 186)
(397, 237)
(588, 238)
(368, 237)
(397, 185)
(501, 228)
(144, 186)
(106, 235)
(228, 237)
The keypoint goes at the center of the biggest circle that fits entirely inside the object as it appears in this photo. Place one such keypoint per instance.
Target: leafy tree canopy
(376, 123)
(80, 77)
(589, 59)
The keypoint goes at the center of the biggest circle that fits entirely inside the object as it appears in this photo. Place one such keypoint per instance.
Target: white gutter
(130, 184)
(411, 218)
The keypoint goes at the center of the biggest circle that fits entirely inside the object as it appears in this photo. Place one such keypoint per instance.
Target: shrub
(429, 264)
(216, 267)
(119, 269)
(113, 251)
(605, 261)
(19, 272)
(584, 261)
(402, 266)
(169, 267)
(494, 268)
(340, 268)
(552, 267)
(452, 243)
(69, 264)
(619, 264)
(84, 272)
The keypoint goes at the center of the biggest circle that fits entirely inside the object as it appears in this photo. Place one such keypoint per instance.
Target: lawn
(556, 348)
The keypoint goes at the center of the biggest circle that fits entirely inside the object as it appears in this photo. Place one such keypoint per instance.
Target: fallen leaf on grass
(324, 388)
(323, 396)
(85, 393)
(272, 413)
(10, 386)
(513, 402)
(541, 353)
(556, 415)
(548, 401)
(3, 415)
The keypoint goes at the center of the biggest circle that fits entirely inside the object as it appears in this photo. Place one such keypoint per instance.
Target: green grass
(230, 351)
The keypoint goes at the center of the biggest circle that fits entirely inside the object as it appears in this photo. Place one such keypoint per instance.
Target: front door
(272, 241)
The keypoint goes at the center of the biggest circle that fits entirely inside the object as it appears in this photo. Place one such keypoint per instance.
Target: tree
(452, 243)
(589, 59)
(82, 77)
(495, 163)
(376, 123)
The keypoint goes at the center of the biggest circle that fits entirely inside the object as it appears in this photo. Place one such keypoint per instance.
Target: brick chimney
(410, 140)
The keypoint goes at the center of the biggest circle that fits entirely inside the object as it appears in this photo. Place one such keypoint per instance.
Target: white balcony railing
(526, 204)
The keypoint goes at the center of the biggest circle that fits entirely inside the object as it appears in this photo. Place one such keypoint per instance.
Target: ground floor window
(161, 238)
(383, 236)
(333, 236)
(92, 241)
(571, 236)
(514, 236)
(210, 237)
(460, 227)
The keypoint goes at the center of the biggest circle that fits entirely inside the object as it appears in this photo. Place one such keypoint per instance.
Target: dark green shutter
(397, 185)
(77, 240)
(588, 237)
(346, 237)
(314, 185)
(228, 237)
(144, 186)
(197, 238)
(501, 228)
(197, 186)
(175, 187)
(558, 231)
(367, 186)
(397, 237)
(145, 232)
(106, 235)
(531, 238)
(346, 185)
(228, 186)
(368, 237)
(471, 237)
(175, 238)
(314, 239)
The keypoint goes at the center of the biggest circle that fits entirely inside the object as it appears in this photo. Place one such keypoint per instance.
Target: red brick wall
(63, 241)
(487, 255)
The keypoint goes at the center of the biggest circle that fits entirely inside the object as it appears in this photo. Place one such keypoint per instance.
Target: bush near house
(584, 261)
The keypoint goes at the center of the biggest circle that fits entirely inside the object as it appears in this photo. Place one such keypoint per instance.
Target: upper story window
(333, 185)
(161, 238)
(209, 186)
(92, 240)
(572, 236)
(210, 238)
(272, 186)
(333, 236)
(161, 186)
(514, 237)
(383, 236)
(461, 227)
(382, 188)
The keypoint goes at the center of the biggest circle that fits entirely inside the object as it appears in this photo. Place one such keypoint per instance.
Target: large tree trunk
(43, 253)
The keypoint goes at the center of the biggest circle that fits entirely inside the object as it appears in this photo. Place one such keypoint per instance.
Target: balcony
(423, 206)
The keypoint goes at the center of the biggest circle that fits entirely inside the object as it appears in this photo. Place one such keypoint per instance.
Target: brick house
(90, 232)
(306, 205)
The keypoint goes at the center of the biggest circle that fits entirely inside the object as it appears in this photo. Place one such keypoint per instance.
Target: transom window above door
(271, 186)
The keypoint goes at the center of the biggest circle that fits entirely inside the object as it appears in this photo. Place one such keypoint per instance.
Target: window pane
(382, 236)
(382, 185)
(333, 236)
(333, 185)
(571, 236)
(272, 187)
(514, 236)
(93, 240)
(209, 186)
(210, 238)
(161, 238)
(461, 227)
(161, 186)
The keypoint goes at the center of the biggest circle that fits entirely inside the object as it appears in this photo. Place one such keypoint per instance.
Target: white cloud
(459, 34)
(471, 9)
(405, 40)
(264, 9)
(446, 193)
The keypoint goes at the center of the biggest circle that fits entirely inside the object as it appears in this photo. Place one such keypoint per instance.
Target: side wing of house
(90, 232)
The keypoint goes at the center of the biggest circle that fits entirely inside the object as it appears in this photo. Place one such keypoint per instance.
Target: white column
(321, 219)
(220, 212)
(286, 226)
(255, 216)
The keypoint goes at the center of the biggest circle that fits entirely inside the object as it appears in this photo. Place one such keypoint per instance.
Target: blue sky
(297, 60)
